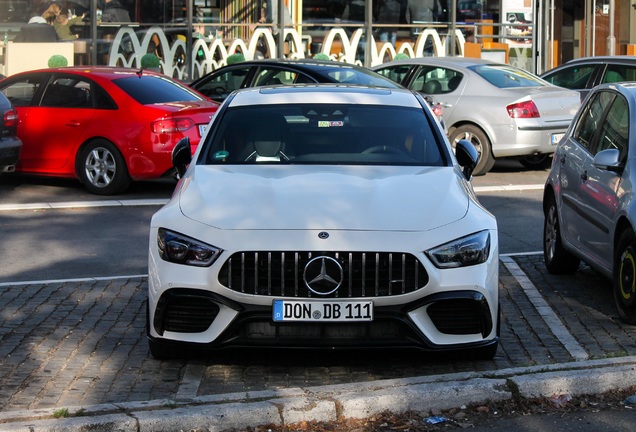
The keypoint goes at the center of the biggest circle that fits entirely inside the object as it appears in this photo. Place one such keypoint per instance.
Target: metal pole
(93, 6)
(188, 53)
(280, 52)
(453, 20)
(368, 31)
(611, 39)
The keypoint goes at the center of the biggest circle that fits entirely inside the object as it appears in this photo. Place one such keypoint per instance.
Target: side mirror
(467, 156)
(182, 156)
(609, 160)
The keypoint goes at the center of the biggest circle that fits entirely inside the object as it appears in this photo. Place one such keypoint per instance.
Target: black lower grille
(364, 274)
(461, 316)
(179, 311)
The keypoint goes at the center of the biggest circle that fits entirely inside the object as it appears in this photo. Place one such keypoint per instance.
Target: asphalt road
(60, 231)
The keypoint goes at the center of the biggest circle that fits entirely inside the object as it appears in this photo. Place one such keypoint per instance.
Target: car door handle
(73, 123)
(447, 105)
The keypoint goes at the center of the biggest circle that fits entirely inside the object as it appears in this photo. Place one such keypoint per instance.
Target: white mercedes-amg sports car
(324, 216)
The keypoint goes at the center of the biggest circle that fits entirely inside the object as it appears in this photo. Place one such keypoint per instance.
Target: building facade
(544, 32)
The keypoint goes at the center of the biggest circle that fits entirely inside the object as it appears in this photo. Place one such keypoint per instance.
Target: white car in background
(324, 216)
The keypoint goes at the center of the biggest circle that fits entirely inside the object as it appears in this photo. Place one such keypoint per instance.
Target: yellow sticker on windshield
(325, 123)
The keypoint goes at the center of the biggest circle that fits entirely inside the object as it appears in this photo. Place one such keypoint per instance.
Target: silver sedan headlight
(466, 251)
(181, 249)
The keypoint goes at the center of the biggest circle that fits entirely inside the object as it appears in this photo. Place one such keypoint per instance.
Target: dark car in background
(10, 144)
(218, 84)
(585, 73)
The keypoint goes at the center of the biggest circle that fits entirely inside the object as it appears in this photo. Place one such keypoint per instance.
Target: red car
(106, 126)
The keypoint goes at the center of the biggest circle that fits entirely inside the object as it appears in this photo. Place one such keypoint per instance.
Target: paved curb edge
(328, 403)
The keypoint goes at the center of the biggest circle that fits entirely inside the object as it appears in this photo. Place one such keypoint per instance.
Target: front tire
(624, 280)
(477, 138)
(102, 169)
(536, 161)
(557, 259)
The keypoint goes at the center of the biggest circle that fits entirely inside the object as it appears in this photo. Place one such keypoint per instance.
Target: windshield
(358, 76)
(506, 77)
(324, 134)
(153, 89)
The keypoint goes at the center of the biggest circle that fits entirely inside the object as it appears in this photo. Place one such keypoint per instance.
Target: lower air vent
(179, 311)
(461, 316)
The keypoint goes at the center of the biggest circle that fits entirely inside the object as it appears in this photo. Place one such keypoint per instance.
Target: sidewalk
(79, 347)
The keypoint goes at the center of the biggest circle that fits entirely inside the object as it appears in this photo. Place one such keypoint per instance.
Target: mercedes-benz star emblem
(323, 235)
(323, 275)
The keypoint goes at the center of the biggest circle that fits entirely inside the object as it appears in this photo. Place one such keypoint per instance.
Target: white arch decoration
(210, 55)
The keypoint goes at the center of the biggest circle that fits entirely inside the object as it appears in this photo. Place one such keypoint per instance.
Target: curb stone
(328, 403)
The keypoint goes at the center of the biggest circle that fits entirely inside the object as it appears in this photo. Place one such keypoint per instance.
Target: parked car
(106, 126)
(585, 73)
(218, 84)
(503, 110)
(10, 144)
(312, 216)
(589, 205)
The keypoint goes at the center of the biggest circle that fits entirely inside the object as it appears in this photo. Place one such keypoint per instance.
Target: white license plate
(556, 138)
(202, 129)
(322, 311)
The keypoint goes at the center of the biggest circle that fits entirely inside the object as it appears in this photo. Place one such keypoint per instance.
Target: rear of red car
(170, 112)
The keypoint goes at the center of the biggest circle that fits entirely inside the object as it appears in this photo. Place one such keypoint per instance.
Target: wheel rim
(551, 232)
(627, 279)
(472, 138)
(100, 167)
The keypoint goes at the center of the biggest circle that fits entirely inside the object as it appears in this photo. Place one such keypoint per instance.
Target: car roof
(108, 72)
(300, 63)
(324, 94)
(442, 61)
(603, 59)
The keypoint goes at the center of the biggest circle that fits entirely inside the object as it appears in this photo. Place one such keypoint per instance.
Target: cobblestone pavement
(82, 343)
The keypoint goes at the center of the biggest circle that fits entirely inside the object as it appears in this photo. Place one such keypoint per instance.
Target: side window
(436, 80)
(573, 78)
(395, 73)
(301, 78)
(220, 87)
(590, 121)
(274, 76)
(67, 93)
(21, 93)
(619, 73)
(614, 131)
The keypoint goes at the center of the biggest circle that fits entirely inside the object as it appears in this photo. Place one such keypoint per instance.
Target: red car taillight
(171, 125)
(11, 118)
(525, 109)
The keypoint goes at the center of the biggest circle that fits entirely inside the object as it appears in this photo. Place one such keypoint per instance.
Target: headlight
(180, 249)
(466, 251)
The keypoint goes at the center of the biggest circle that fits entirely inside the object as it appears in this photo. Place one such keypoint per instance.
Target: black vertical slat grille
(366, 274)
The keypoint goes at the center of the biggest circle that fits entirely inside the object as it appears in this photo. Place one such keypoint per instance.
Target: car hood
(346, 197)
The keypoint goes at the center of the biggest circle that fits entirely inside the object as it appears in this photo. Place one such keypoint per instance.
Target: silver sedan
(503, 110)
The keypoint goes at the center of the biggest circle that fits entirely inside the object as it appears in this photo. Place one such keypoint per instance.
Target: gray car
(503, 110)
(589, 206)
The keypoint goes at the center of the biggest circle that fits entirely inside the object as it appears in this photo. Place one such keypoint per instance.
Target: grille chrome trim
(366, 274)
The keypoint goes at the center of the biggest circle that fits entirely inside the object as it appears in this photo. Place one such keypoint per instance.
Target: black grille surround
(365, 274)
(191, 311)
